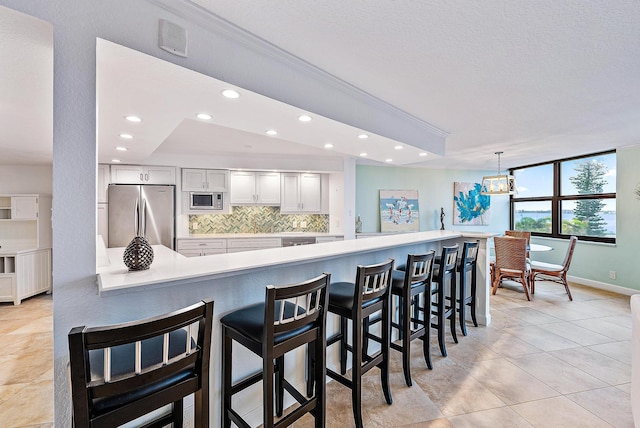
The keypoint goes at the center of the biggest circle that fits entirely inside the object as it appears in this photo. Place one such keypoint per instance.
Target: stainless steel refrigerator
(148, 206)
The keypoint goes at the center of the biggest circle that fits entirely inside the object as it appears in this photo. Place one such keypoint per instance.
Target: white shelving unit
(25, 246)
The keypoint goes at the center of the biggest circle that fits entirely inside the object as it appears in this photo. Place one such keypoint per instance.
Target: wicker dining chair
(511, 262)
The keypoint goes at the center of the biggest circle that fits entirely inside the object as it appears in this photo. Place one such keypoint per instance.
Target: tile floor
(26, 363)
(545, 363)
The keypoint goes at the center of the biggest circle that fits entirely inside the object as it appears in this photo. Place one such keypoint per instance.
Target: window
(567, 197)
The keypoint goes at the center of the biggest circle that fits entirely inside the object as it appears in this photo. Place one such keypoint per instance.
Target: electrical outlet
(194, 225)
(303, 224)
(612, 274)
(295, 223)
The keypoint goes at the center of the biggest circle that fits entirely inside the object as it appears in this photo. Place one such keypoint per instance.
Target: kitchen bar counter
(169, 266)
(235, 280)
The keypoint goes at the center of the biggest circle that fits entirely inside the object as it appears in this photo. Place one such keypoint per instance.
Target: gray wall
(215, 50)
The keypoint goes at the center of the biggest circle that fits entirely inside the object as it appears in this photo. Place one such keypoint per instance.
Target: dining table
(536, 248)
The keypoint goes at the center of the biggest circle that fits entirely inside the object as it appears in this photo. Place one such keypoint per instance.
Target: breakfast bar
(237, 279)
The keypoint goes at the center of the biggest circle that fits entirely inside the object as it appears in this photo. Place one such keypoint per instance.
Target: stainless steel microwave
(205, 200)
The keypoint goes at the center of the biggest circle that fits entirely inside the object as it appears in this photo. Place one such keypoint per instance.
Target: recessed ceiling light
(364, 155)
(398, 147)
(133, 118)
(203, 116)
(304, 118)
(328, 146)
(121, 149)
(126, 136)
(230, 93)
(388, 160)
(422, 154)
(271, 132)
(363, 136)
(115, 160)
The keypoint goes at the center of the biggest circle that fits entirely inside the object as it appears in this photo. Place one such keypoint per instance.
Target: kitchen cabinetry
(25, 246)
(254, 188)
(201, 247)
(247, 244)
(25, 221)
(212, 180)
(300, 193)
(104, 178)
(321, 239)
(24, 274)
(139, 174)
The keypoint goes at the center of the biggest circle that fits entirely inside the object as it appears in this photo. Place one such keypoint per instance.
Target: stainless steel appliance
(205, 200)
(294, 241)
(150, 206)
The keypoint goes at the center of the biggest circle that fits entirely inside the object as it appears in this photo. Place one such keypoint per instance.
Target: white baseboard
(603, 285)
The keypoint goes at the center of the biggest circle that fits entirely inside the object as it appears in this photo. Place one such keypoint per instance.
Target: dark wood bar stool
(412, 286)
(467, 264)
(443, 303)
(270, 330)
(124, 371)
(357, 302)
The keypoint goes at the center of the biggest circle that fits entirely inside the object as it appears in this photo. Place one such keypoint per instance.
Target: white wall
(26, 179)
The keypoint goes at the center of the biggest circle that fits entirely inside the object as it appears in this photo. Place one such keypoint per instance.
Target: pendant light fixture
(501, 184)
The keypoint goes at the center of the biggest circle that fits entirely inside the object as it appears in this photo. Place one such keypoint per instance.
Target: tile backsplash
(249, 219)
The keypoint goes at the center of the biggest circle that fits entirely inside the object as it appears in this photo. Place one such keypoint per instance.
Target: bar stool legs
(467, 264)
(357, 301)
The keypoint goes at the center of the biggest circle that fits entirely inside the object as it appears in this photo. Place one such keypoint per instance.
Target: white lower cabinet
(25, 274)
(321, 239)
(247, 244)
(201, 247)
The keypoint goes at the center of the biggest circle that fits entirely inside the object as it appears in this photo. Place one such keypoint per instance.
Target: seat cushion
(249, 321)
(546, 266)
(341, 295)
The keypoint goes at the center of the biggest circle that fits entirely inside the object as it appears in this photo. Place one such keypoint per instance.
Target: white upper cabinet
(104, 178)
(254, 188)
(139, 174)
(211, 180)
(24, 207)
(301, 193)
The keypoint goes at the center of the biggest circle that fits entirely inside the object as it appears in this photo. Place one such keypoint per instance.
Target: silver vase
(138, 255)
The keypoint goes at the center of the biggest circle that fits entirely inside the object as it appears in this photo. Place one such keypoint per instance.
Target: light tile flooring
(26, 363)
(545, 363)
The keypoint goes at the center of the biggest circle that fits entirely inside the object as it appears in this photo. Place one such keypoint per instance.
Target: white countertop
(169, 266)
(256, 235)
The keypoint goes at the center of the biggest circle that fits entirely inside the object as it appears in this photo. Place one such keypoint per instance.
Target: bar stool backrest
(292, 307)
(469, 252)
(373, 281)
(448, 262)
(419, 268)
(123, 371)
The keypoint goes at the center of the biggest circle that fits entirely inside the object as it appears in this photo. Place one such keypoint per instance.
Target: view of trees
(587, 220)
(589, 180)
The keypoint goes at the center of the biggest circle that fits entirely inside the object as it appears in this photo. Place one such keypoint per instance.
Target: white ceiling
(26, 89)
(537, 80)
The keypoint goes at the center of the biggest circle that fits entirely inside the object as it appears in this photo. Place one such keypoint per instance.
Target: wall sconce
(500, 184)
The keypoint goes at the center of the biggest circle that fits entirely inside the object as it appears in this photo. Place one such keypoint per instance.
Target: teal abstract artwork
(470, 207)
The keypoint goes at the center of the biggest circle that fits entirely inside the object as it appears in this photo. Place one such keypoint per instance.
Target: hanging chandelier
(500, 184)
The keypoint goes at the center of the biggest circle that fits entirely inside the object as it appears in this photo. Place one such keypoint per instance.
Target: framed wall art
(469, 206)
(399, 211)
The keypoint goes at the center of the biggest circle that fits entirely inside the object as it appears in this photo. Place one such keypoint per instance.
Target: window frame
(557, 198)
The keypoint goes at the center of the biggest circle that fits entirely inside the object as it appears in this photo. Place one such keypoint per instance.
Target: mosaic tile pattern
(248, 219)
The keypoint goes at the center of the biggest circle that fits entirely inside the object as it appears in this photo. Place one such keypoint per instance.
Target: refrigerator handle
(143, 217)
(136, 218)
